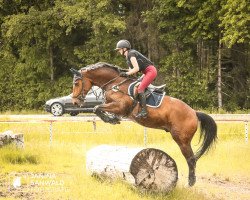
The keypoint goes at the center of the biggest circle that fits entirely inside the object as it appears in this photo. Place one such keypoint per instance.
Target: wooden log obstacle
(146, 168)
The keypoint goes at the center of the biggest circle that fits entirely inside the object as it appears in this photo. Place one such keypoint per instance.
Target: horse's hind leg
(189, 155)
(187, 152)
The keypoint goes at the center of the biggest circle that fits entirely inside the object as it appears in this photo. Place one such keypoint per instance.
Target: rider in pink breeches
(137, 63)
(150, 74)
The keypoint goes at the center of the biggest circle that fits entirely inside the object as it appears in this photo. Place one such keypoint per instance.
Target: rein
(115, 87)
(109, 82)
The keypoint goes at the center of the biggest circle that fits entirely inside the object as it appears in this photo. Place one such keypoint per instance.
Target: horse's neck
(103, 79)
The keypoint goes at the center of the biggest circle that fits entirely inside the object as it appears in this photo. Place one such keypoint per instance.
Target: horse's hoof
(115, 122)
(191, 181)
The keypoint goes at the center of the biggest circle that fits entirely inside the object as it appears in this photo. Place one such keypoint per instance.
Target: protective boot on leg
(142, 99)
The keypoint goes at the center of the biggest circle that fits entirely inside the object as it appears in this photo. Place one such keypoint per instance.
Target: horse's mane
(103, 64)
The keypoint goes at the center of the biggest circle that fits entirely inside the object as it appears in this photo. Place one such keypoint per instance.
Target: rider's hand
(124, 74)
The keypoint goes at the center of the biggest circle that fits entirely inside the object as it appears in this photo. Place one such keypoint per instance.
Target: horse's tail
(208, 133)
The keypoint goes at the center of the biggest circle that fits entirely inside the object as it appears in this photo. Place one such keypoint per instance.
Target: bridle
(78, 76)
(81, 96)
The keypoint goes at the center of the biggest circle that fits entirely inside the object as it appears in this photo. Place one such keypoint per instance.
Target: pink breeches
(149, 75)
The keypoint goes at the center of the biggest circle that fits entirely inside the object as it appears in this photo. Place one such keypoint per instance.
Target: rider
(138, 63)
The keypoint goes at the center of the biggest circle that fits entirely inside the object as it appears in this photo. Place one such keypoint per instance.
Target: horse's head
(100, 74)
(81, 86)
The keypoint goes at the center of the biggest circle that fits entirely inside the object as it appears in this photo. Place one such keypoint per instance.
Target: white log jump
(146, 168)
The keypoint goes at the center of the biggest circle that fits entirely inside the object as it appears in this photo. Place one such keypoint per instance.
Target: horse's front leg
(103, 111)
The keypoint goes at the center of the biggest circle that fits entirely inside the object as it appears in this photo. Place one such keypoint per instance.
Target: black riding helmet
(123, 44)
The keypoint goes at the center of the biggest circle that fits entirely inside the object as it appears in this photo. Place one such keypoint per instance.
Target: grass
(19, 157)
(65, 158)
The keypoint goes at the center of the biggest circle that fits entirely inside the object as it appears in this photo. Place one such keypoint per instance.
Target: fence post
(50, 132)
(94, 124)
(145, 136)
(246, 131)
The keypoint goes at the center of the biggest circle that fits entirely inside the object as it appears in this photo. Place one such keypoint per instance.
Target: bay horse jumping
(173, 115)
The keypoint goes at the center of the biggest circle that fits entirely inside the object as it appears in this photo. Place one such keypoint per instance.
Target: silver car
(62, 105)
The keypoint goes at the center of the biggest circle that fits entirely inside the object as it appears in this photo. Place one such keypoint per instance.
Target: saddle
(154, 94)
(158, 89)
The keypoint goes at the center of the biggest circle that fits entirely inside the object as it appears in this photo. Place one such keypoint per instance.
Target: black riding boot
(141, 97)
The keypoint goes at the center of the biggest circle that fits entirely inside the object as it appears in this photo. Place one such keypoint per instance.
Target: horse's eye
(76, 84)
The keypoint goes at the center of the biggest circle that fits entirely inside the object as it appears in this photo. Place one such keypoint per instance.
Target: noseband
(78, 76)
(81, 96)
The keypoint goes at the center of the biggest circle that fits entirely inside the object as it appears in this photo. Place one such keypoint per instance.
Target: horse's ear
(75, 72)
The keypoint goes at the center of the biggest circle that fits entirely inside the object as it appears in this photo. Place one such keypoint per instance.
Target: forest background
(201, 47)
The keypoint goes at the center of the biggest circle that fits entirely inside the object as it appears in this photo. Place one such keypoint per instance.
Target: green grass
(13, 156)
(65, 157)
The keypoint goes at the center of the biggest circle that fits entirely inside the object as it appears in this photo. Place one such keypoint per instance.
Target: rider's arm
(135, 66)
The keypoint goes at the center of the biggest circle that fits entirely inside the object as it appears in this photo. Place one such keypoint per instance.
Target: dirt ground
(216, 187)
(37, 190)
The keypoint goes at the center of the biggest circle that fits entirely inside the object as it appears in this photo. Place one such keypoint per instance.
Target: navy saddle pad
(153, 99)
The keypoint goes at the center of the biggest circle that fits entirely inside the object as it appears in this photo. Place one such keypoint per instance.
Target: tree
(196, 45)
(179, 62)
(234, 17)
(46, 39)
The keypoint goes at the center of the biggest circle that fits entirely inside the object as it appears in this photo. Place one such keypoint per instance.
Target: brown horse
(172, 115)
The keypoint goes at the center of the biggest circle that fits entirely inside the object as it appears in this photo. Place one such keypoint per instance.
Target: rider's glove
(124, 74)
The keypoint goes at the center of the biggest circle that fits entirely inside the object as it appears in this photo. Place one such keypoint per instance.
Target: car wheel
(74, 113)
(56, 109)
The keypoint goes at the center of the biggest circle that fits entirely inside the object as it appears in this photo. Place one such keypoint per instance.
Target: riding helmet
(123, 44)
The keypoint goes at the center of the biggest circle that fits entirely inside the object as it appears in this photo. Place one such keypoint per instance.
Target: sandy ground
(216, 187)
